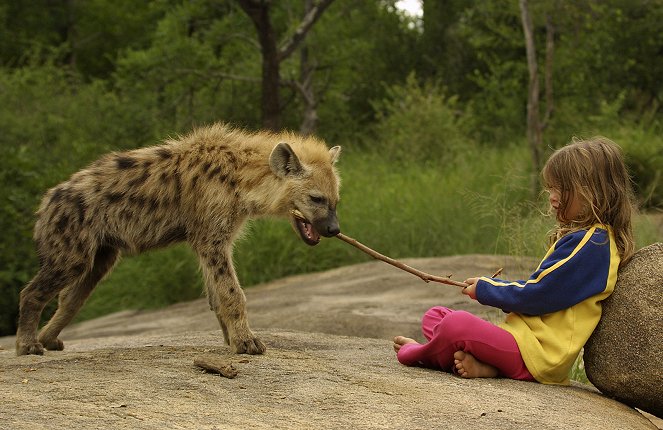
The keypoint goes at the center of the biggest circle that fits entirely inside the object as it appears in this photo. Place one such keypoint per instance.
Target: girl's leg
(452, 331)
(429, 322)
(432, 318)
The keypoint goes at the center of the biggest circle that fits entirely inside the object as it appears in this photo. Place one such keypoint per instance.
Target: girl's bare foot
(469, 367)
(402, 340)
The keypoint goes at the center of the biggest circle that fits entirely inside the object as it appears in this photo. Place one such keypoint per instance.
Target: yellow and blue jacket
(553, 313)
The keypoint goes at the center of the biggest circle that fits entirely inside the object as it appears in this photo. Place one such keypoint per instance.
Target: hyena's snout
(328, 226)
(310, 231)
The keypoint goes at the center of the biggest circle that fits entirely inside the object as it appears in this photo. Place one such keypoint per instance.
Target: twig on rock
(423, 275)
(216, 365)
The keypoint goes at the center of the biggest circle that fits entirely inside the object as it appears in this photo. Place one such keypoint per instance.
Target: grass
(578, 370)
(476, 204)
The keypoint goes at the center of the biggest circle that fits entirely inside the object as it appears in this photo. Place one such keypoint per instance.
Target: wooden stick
(425, 276)
(216, 365)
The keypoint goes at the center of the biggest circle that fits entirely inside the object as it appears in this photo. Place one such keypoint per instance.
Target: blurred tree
(360, 50)
(273, 55)
(80, 78)
(536, 124)
(30, 26)
(447, 56)
(87, 35)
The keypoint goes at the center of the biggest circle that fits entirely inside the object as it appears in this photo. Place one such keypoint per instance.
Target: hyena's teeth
(297, 214)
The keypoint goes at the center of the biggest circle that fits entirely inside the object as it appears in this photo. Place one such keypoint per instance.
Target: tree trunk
(69, 34)
(534, 130)
(550, 49)
(258, 11)
(310, 122)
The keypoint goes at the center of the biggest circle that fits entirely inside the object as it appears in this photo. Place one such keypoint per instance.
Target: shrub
(419, 123)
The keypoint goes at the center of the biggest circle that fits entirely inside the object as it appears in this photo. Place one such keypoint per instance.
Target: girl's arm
(575, 269)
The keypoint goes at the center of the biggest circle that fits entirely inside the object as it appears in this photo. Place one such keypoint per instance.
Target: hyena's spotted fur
(201, 189)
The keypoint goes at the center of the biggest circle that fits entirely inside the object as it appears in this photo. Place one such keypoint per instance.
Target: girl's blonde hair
(594, 170)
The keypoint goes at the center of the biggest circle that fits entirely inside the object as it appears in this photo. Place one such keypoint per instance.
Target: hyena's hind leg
(33, 298)
(73, 297)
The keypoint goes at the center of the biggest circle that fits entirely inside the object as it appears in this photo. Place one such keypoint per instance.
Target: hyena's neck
(232, 175)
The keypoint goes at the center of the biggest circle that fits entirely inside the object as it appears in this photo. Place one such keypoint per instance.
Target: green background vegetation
(431, 115)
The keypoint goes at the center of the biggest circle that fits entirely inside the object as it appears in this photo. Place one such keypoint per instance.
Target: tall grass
(476, 204)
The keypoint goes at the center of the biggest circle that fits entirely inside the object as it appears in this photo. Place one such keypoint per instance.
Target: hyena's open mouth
(306, 231)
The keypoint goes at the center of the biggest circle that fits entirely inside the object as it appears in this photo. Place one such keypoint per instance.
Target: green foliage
(644, 158)
(146, 281)
(608, 48)
(183, 78)
(578, 371)
(53, 126)
(431, 118)
(476, 205)
(419, 123)
(20, 185)
(361, 49)
(492, 33)
(639, 139)
(86, 36)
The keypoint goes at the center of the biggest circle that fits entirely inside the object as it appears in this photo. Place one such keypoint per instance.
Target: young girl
(553, 313)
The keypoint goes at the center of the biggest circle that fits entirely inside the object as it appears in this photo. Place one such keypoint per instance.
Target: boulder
(329, 364)
(304, 381)
(624, 355)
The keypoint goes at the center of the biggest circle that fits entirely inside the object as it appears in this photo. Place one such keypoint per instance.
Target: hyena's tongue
(308, 234)
(306, 231)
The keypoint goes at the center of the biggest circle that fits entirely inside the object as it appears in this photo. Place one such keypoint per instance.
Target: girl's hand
(471, 289)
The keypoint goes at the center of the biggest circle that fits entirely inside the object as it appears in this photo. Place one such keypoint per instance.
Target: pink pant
(449, 331)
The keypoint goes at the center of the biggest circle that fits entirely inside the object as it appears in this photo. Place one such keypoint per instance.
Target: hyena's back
(112, 203)
(147, 198)
(199, 188)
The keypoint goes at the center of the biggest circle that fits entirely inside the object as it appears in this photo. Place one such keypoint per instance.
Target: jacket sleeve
(576, 268)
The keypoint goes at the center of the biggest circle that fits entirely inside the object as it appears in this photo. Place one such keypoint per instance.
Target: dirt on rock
(329, 364)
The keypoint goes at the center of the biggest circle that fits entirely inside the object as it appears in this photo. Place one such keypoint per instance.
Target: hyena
(199, 188)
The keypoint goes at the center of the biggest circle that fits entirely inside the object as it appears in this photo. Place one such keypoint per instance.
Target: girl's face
(571, 212)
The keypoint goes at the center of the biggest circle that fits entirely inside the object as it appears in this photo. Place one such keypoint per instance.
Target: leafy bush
(644, 157)
(418, 123)
(53, 125)
(640, 140)
(150, 280)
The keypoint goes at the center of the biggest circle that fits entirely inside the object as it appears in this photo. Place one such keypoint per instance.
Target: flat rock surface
(329, 364)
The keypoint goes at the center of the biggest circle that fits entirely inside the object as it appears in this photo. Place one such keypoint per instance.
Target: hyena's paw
(251, 345)
(52, 344)
(34, 348)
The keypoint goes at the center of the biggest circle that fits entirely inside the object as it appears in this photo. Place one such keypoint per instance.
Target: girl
(553, 313)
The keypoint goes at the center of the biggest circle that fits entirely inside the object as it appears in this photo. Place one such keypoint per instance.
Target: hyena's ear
(335, 152)
(284, 162)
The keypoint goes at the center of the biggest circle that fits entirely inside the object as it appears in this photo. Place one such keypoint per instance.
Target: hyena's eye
(318, 200)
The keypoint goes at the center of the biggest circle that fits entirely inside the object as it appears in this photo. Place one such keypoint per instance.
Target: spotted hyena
(200, 188)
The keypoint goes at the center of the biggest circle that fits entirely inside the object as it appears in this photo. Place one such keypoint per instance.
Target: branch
(424, 276)
(300, 88)
(214, 74)
(215, 364)
(307, 22)
(550, 47)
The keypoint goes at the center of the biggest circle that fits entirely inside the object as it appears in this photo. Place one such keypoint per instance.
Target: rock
(624, 355)
(329, 364)
(303, 381)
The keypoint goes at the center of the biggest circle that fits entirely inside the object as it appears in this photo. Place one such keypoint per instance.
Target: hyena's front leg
(228, 301)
